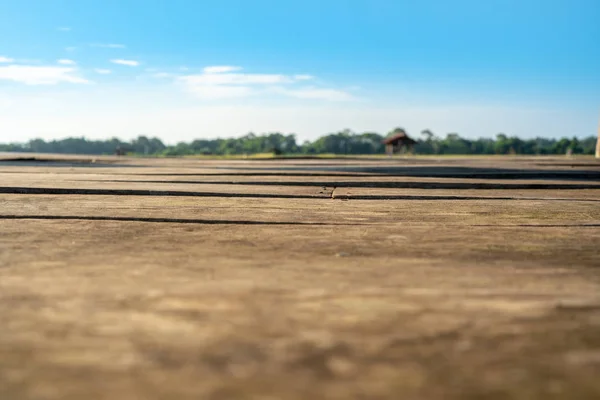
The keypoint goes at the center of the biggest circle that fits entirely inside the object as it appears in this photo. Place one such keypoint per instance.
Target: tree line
(343, 142)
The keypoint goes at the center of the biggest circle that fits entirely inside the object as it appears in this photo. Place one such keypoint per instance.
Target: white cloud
(210, 92)
(234, 79)
(316, 94)
(102, 71)
(303, 77)
(162, 75)
(65, 61)
(217, 69)
(6, 60)
(40, 75)
(220, 82)
(129, 63)
(109, 45)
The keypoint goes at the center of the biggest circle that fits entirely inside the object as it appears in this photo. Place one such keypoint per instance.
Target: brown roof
(399, 137)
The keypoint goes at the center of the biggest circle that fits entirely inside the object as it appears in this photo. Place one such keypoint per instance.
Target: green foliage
(343, 142)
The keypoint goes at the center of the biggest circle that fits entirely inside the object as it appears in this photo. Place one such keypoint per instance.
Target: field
(337, 278)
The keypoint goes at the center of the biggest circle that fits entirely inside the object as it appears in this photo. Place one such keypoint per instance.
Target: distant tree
(342, 142)
(501, 146)
(429, 144)
(427, 134)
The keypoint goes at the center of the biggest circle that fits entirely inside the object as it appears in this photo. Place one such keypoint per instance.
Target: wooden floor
(349, 278)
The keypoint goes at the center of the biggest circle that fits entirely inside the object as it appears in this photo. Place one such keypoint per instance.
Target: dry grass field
(339, 278)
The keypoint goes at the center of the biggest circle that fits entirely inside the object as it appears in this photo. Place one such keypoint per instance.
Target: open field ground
(353, 278)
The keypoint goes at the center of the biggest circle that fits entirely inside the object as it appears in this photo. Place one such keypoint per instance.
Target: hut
(398, 142)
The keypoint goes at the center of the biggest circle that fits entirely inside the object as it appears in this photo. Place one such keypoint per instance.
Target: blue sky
(182, 69)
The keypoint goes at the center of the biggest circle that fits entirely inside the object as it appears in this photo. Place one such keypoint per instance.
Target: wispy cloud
(303, 77)
(65, 61)
(102, 71)
(218, 82)
(108, 45)
(70, 48)
(40, 75)
(316, 93)
(163, 75)
(236, 79)
(210, 92)
(64, 28)
(218, 69)
(129, 63)
(6, 59)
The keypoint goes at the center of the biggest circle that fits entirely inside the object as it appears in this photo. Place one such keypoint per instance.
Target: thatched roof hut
(398, 141)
